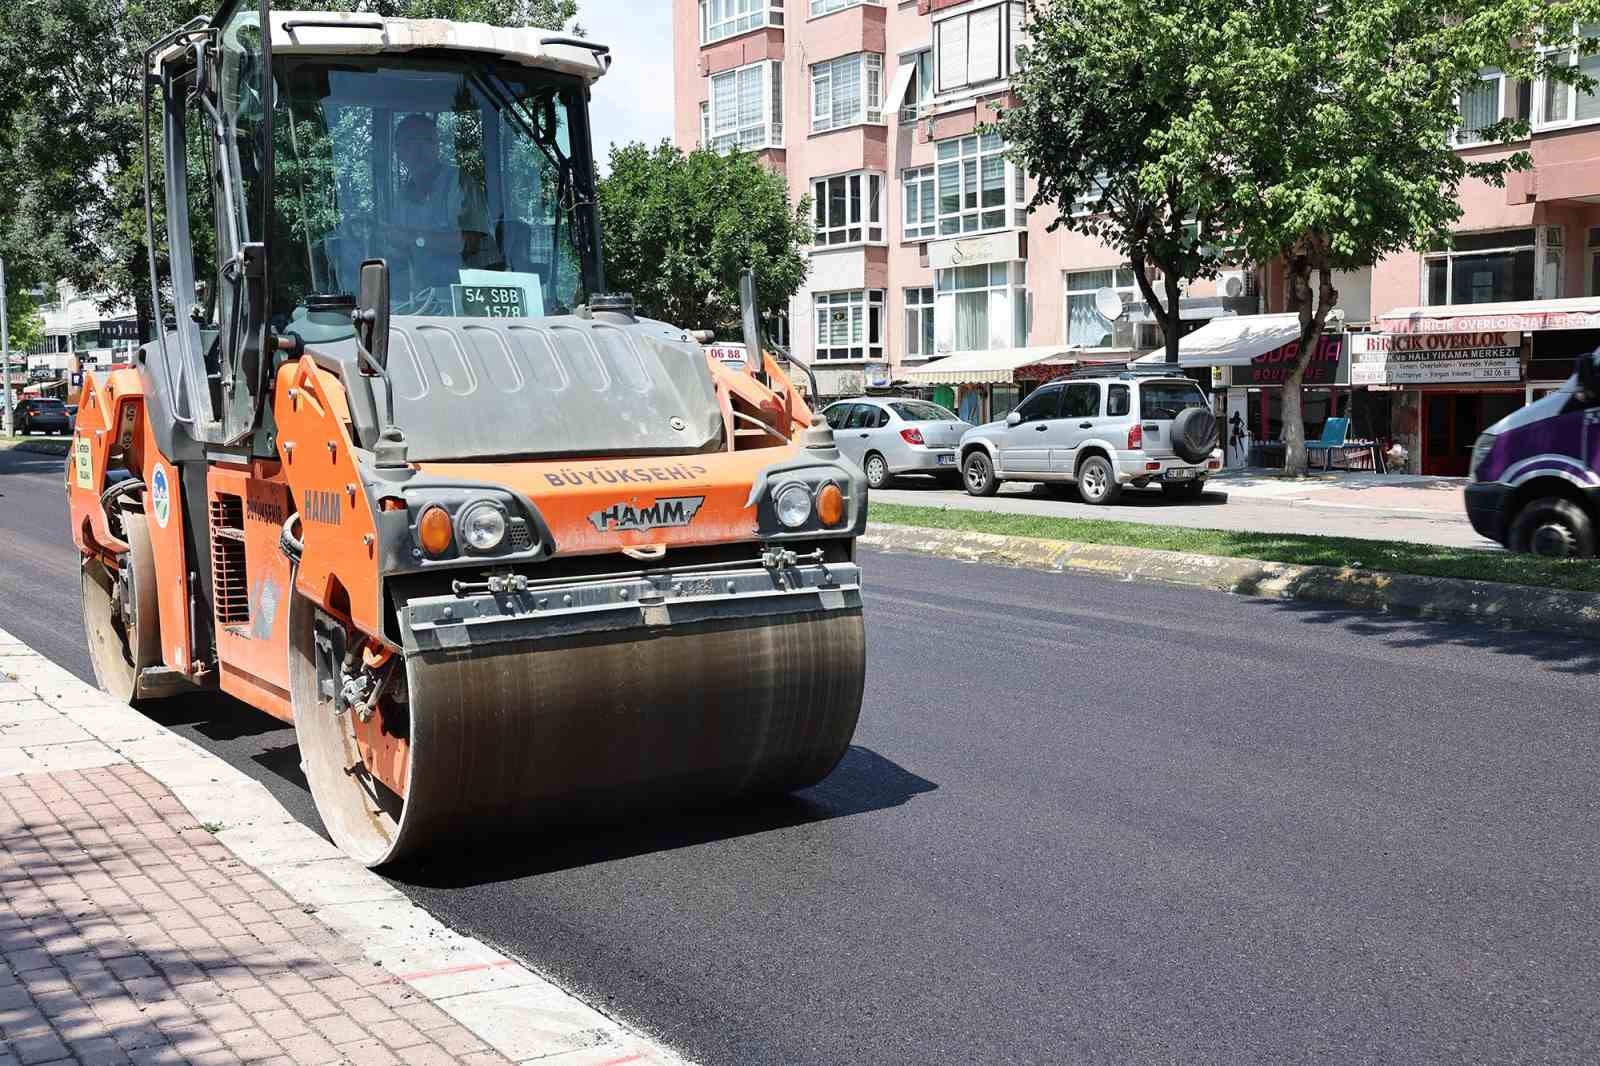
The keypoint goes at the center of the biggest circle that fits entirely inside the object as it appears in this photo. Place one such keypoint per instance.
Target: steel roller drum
(533, 735)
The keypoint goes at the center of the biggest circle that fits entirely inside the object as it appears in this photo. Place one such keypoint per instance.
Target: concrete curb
(50, 721)
(1451, 599)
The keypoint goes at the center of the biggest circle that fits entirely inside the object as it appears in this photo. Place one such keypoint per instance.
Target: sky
(634, 101)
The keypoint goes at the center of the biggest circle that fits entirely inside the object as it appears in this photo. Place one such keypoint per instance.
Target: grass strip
(1395, 557)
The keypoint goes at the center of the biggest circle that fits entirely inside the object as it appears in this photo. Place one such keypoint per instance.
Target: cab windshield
(471, 179)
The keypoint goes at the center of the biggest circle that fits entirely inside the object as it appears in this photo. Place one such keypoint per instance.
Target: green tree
(677, 229)
(1326, 127)
(1101, 81)
(23, 317)
(71, 126)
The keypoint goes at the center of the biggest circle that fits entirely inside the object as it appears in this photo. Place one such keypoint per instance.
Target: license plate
(947, 460)
(488, 301)
(1179, 474)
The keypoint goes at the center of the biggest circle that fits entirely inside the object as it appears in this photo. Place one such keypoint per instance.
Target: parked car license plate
(947, 460)
(1181, 473)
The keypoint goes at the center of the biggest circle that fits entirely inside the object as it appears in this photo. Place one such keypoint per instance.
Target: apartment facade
(923, 245)
(924, 249)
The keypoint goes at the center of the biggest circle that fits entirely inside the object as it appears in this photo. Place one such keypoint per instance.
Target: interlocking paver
(123, 942)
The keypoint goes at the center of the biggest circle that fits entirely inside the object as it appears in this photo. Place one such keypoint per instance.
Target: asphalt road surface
(1084, 821)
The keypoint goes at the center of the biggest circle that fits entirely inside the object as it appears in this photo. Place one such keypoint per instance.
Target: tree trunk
(1313, 314)
(1166, 315)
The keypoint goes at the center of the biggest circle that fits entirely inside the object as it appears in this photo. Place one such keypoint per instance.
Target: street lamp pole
(5, 347)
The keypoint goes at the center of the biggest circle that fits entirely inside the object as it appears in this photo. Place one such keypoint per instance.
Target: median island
(1377, 556)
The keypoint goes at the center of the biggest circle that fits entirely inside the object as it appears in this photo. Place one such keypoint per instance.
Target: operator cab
(458, 153)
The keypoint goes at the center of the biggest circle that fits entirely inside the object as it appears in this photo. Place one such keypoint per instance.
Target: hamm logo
(676, 511)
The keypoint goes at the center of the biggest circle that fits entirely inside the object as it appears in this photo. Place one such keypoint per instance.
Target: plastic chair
(1334, 432)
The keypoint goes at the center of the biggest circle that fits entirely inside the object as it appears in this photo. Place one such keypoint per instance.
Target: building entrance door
(1451, 424)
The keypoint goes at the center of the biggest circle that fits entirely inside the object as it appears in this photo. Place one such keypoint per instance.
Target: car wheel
(1097, 482)
(1554, 528)
(877, 471)
(978, 473)
(1184, 491)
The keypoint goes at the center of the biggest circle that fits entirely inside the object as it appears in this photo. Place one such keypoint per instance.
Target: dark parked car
(42, 416)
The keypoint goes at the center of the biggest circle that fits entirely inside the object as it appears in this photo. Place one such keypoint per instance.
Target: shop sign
(1435, 358)
(119, 330)
(1519, 322)
(1273, 368)
(972, 251)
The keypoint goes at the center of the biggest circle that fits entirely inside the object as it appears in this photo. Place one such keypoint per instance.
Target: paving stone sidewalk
(157, 905)
(128, 934)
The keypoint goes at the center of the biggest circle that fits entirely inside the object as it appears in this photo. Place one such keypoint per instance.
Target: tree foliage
(71, 158)
(1101, 82)
(677, 229)
(1324, 128)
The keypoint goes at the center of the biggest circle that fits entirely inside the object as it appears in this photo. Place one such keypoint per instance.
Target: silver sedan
(889, 436)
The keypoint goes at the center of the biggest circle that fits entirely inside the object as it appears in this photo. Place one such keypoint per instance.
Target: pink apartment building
(924, 250)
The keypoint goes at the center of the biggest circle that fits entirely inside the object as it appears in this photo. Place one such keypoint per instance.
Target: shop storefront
(1248, 358)
(1455, 370)
(984, 386)
(1454, 385)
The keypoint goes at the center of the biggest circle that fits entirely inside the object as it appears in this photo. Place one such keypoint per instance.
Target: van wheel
(1554, 528)
(877, 471)
(978, 472)
(1097, 482)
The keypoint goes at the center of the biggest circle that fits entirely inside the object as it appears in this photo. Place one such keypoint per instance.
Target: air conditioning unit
(1236, 283)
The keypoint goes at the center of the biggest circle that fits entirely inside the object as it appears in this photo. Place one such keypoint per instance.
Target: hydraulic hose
(291, 545)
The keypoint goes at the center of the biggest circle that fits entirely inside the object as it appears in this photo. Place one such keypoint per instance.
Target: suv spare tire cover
(1194, 433)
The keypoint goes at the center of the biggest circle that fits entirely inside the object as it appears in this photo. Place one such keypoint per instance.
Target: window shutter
(952, 54)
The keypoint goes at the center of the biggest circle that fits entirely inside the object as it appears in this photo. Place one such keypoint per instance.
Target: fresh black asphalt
(1084, 821)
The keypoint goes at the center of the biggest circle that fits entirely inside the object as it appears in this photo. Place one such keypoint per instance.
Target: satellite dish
(1109, 303)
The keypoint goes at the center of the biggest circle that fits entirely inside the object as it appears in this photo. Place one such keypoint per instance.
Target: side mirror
(1588, 371)
(1014, 419)
(371, 316)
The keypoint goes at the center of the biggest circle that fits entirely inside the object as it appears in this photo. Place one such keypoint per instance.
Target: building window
(721, 19)
(828, 7)
(849, 209)
(1561, 104)
(977, 308)
(977, 189)
(705, 124)
(850, 324)
(1491, 99)
(919, 91)
(746, 108)
(1482, 268)
(920, 220)
(1085, 324)
(919, 324)
(847, 91)
(1088, 202)
(977, 47)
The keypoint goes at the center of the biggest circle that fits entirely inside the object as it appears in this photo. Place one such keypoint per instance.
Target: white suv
(1100, 430)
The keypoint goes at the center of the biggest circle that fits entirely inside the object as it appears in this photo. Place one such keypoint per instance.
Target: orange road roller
(397, 469)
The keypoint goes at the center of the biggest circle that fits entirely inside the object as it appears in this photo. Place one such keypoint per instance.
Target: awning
(994, 366)
(1581, 312)
(1233, 341)
(902, 81)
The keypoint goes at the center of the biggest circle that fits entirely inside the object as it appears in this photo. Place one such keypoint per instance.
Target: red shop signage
(1273, 367)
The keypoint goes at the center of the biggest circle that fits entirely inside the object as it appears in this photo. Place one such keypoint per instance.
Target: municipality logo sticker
(160, 496)
(674, 511)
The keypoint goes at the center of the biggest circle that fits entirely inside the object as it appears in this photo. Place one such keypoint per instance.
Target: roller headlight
(483, 527)
(793, 504)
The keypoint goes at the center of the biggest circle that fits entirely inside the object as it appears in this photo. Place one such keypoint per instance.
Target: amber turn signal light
(830, 505)
(435, 531)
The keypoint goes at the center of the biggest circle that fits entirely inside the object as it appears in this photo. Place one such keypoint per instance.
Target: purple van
(1536, 472)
